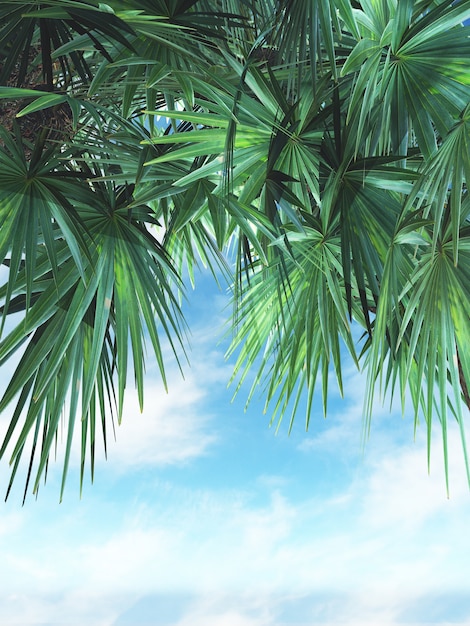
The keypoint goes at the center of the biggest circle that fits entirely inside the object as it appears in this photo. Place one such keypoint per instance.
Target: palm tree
(327, 143)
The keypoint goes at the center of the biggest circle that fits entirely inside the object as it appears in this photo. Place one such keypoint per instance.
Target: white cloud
(364, 555)
(69, 608)
(174, 427)
(390, 534)
(229, 610)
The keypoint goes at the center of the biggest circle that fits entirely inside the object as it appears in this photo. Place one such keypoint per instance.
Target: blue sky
(203, 515)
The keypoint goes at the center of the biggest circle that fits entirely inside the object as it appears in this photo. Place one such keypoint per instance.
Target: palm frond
(327, 144)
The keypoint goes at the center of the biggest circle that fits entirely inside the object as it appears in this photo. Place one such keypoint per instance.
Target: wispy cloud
(173, 429)
(371, 553)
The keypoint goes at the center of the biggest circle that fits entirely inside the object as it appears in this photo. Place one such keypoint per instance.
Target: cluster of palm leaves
(316, 153)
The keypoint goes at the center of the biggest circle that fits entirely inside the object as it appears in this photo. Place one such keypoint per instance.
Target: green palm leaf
(327, 144)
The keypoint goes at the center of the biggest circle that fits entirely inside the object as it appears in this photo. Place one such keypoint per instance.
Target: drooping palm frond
(79, 320)
(373, 152)
(81, 245)
(326, 142)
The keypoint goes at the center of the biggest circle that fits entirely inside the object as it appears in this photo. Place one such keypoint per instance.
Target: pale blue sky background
(203, 516)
